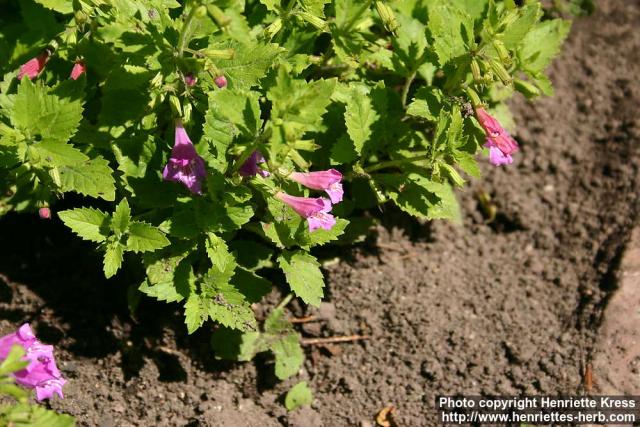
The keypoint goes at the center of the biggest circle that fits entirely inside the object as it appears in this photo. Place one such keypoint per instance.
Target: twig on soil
(332, 340)
(305, 319)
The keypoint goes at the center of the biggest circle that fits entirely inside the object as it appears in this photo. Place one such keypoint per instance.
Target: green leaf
(299, 395)
(359, 116)
(451, 30)
(516, 31)
(113, 259)
(196, 311)
(88, 223)
(60, 6)
(300, 104)
(422, 197)
(289, 355)
(218, 252)
(426, 104)
(91, 178)
(231, 113)
(232, 344)
(542, 43)
(249, 63)
(13, 362)
(303, 275)
(37, 112)
(169, 277)
(121, 218)
(252, 286)
(252, 255)
(145, 237)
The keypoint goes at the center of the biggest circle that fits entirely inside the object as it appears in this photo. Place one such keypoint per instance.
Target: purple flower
(41, 373)
(328, 180)
(250, 166)
(185, 165)
(314, 210)
(501, 145)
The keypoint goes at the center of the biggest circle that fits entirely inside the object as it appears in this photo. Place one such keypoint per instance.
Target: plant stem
(284, 302)
(406, 87)
(185, 37)
(424, 155)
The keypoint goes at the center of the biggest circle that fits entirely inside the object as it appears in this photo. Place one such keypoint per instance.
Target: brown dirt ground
(504, 308)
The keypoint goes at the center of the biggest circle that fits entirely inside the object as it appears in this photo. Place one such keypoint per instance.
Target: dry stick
(305, 319)
(332, 340)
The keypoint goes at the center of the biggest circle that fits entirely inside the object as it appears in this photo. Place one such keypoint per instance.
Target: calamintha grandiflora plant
(233, 137)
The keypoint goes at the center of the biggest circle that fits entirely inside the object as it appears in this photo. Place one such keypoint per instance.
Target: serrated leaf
(300, 104)
(112, 259)
(299, 395)
(359, 116)
(527, 17)
(249, 63)
(303, 275)
(289, 355)
(231, 113)
(121, 218)
(232, 344)
(422, 197)
(426, 104)
(143, 237)
(195, 312)
(249, 284)
(91, 178)
(451, 30)
(60, 6)
(88, 223)
(218, 252)
(37, 112)
(169, 277)
(542, 43)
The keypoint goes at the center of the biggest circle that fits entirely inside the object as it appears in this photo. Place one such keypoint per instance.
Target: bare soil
(509, 307)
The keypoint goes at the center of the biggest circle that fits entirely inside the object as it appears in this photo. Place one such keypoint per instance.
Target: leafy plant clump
(216, 141)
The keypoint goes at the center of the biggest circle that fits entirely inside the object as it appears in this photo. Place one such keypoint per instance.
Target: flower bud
(176, 107)
(44, 213)
(221, 82)
(219, 53)
(186, 112)
(453, 174)
(500, 71)
(200, 12)
(387, 16)
(320, 24)
(475, 70)
(502, 51)
(526, 88)
(273, 29)
(190, 80)
(156, 82)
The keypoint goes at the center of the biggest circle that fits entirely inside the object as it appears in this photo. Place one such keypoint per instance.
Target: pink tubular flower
(78, 69)
(328, 180)
(41, 373)
(44, 213)
(34, 66)
(314, 210)
(250, 166)
(221, 82)
(185, 165)
(501, 145)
